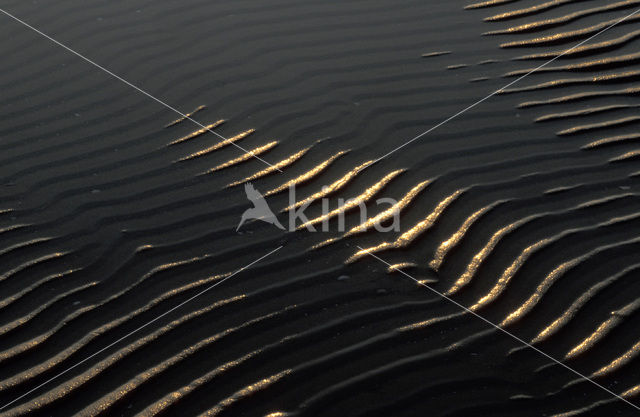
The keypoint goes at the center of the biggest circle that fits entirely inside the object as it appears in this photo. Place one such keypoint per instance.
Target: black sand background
(98, 199)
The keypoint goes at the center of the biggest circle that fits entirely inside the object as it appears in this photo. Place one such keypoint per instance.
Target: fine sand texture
(525, 209)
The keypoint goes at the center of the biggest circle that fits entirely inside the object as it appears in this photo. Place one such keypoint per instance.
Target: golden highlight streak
(611, 140)
(510, 272)
(455, 239)
(488, 3)
(602, 125)
(398, 267)
(246, 156)
(180, 119)
(14, 297)
(390, 212)
(479, 257)
(273, 168)
(218, 145)
(22, 347)
(593, 64)
(631, 392)
(24, 244)
(197, 133)
(584, 112)
(14, 227)
(543, 24)
(335, 186)
(590, 48)
(552, 277)
(588, 408)
(603, 200)
(529, 10)
(354, 202)
(603, 329)
(307, 175)
(175, 396)
(31, 263)
(589, 341)
(573, 309)
(246, 392)
(429, 322)
(567, 36)
(434, 54)
(563, 188)
(508, 275)
(325, 243)
(573, 81)
(410, 235)
(581, 96)
(625, 156)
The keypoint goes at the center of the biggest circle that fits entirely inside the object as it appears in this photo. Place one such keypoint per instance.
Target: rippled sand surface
(524, 210)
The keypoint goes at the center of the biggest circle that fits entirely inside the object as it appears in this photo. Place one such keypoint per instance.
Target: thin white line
(139, 328)
(504, 331)
(133, 86)
(506, 86)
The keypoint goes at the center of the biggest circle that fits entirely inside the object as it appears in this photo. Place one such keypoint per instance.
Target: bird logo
(260, 210)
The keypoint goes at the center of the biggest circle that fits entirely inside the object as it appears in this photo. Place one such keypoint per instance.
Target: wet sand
(114, 209)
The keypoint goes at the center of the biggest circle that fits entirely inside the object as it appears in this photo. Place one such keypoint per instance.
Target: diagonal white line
(139, 328)
(506, 86)
(133, 86)
(505, 331)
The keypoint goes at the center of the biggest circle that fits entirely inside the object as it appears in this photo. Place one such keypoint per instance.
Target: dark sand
(104, 230)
